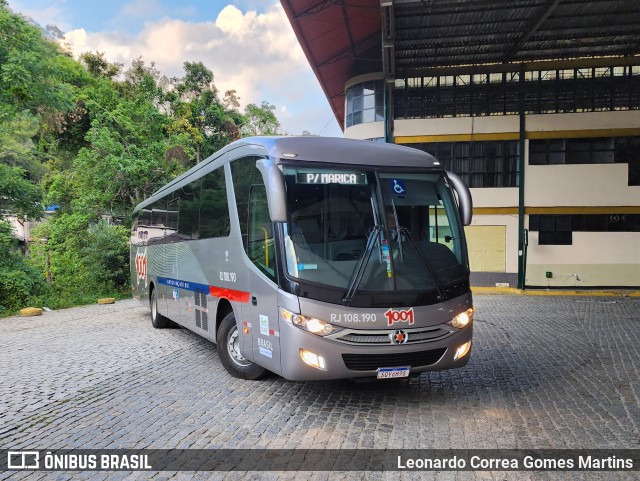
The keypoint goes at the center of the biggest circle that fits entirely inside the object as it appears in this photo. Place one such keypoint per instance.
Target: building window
(365, 103)
(557, 229)
(480, 164)
(598, 150)
(590, 89)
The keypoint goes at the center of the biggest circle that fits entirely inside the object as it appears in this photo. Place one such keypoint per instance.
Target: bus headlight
(311, 324)
(463, 319)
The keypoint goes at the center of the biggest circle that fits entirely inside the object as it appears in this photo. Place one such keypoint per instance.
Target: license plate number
(392, 372)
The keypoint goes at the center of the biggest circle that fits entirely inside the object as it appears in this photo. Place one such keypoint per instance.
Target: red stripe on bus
(230, 294)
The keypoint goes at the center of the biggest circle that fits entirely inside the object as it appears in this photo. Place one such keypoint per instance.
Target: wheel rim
(233, 347)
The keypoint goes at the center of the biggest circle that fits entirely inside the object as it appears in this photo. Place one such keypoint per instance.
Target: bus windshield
(361, 230)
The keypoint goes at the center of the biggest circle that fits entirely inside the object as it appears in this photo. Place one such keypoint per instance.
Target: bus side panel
(195, 272)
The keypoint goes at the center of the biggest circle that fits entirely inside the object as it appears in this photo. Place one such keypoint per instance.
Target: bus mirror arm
(274, 183)
(465, 203)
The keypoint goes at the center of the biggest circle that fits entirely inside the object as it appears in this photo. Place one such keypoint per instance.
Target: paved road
(557, 372)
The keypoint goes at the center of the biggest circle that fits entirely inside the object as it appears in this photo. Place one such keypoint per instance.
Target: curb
(107, 300)
(552, 292)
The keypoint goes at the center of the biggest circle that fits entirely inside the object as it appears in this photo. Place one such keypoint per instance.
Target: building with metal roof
(535, 103)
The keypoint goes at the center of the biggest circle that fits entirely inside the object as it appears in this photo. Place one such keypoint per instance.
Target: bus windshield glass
(372, 231)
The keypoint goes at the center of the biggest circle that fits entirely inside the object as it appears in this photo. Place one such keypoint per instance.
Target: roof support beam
(317, 8)
(388, 66)
(525, 66)
(354, 51)
(533, 27)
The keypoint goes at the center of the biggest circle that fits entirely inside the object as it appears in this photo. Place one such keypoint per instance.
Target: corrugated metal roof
(342, 38)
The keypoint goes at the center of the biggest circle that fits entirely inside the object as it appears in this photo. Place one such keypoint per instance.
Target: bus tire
(157, 320)
(228, 341)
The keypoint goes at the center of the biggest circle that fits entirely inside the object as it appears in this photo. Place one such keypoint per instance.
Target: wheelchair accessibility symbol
(398, 186)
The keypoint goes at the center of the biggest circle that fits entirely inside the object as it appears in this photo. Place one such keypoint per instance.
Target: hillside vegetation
(94, 138)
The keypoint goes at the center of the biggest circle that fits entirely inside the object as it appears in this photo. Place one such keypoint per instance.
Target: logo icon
(398, 186)
(141, 264)
(23, 460)
(399, 337)
(403, 315)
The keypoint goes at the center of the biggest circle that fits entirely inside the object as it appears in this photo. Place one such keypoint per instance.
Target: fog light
(312, 359)
(462, 351)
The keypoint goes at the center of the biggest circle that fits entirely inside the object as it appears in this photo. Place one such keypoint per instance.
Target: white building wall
(594, 259)
(579, 185)
(456, 125)
(369, 130)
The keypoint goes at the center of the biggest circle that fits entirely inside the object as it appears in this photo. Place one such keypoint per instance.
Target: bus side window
(214, 210)
(245, 174)
(261, 247)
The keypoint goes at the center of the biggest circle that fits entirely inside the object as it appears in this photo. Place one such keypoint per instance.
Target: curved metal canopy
(342, 38)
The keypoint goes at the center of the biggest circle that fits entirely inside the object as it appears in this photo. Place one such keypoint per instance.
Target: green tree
(18, 196)
(198, 112)
(260, 120)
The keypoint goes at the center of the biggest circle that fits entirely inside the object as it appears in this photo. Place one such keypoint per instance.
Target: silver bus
(313, 258)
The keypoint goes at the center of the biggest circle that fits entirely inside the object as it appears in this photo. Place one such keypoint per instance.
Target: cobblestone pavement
(556, 372)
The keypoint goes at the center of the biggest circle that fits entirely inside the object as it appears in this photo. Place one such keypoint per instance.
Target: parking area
(546, 372)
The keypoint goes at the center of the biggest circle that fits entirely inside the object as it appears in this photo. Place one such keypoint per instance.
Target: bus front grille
(384, 337)
(371, 362)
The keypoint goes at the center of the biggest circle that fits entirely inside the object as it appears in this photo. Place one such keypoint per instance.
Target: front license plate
(392, 372)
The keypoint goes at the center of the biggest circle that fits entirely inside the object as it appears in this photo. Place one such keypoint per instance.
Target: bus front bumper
(338, 360)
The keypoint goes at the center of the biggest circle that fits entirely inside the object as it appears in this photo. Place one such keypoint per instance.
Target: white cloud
(53, 14)
(254, 53)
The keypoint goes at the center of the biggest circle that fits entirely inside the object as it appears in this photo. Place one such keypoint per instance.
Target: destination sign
(352, 178)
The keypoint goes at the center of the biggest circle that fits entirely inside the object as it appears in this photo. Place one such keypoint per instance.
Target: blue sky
(248, 44)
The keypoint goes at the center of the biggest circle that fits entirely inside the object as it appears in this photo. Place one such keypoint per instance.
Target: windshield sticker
(349, 178)
(398, 186)
(302, 267)
(264, 325)
(386, 257)
(404, 315)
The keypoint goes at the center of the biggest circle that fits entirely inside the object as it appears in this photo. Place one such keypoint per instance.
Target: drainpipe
(522, 259)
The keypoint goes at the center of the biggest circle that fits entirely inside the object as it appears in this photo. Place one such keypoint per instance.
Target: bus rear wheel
(228, 340)
(157, 320)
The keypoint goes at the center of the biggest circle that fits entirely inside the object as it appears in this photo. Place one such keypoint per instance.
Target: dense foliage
(93, 138)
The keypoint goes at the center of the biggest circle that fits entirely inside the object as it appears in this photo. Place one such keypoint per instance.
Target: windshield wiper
(425, 261)
(358, 272)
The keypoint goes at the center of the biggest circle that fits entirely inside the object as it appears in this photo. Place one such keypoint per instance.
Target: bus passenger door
(262, 309)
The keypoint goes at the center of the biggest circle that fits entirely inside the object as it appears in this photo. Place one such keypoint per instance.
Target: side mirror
(465, 203)
(274, 183)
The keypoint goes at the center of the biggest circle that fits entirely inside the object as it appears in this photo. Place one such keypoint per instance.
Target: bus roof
(342, 151)
(333, 150)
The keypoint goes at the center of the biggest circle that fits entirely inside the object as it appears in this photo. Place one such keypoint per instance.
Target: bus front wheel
(228, 340)
(157, 320)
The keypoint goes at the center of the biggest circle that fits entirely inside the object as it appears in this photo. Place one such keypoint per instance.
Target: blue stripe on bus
(186, 285)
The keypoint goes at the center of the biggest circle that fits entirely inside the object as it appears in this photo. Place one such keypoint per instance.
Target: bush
(18, 280)
(87, 258)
